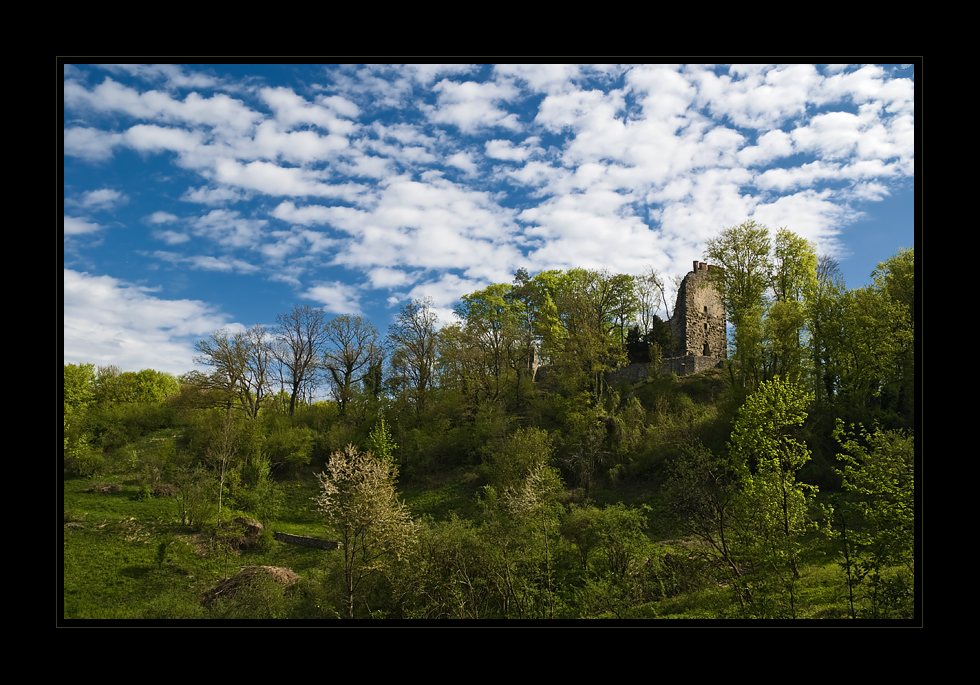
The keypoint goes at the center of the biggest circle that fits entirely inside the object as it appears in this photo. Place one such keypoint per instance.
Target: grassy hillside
(610, 545)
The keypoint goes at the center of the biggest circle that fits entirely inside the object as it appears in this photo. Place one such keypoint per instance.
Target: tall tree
(299, 339)
(352, 346)
(78, 392)
(538, 322)
(875, 519)
(825, 316)
(650, 294)
(242, 366)
(413, 338)
(863, 344)
(767, 285)
(593, 307)
(894, 281)
(767, 455)
(742, 252)
(793, 285)
(491, 331)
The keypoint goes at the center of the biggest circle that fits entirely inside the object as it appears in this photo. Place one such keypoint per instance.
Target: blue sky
(200, 197)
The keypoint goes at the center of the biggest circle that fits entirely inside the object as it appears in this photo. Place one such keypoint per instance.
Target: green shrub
(516, 455)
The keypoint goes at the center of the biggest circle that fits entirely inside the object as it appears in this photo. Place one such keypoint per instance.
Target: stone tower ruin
(698, 325)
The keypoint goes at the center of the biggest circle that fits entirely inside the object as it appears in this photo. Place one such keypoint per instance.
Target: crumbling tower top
(698, 323)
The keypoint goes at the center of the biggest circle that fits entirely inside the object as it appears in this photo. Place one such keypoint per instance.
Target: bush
(83, 460)
(515, 456)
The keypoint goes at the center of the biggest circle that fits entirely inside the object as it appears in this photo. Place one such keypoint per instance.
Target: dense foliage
(563, 484)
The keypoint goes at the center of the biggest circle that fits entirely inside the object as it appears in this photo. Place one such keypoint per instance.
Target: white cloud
(102, 199)
(291, 110)
(310, 215)
(171, 237)
(219, 110)
(542, 78)
(78, 226)
(340, 105)
(296, 147)
(581, 111)
(209, 195)
(464, 161)
(769, 147)
(90, 144)
(756, 96)
(506, 150)
(335, 297)
(472, 106)
(869, 191)
(224, 264)
(268, 178)
(152, 138)
(664, 94)
(228, 228)
(161, 218)
(384, 277)
(172, 74)
(783, 179)
(815, 215)
(109, 321)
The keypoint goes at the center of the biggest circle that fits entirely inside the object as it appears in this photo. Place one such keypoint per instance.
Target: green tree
(113, 387)
(767, 284)
(413, 337)
(827, 332)
(448, 573)
(490, 341)
(875, 520)
(154, 387)
(285, 444)
(78, 394)
(374, 528)
(520, 530)
(77, 386)
(594, 308)
(894, 280)
(613, 548)
(705, 496)
(742, 252)
(380, 443)
(767, 455)
(510, 462)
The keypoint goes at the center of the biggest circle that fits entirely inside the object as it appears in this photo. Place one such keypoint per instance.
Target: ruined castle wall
(682, 366)
(689, 364)
(698, 323)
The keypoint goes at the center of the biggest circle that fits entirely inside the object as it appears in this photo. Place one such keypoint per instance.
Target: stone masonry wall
(290, 539)
(699, 329)
(682, 366)
(698, 323)
(685, 366)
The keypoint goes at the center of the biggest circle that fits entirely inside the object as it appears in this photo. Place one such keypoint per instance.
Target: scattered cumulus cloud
(436, 180)
(335, 297)
(109, 321)
(101, 200)
(79, 226)
(161, 218)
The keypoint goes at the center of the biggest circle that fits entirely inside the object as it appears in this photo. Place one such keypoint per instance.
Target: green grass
(111, 546)
(112, 569)
(444, 494)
